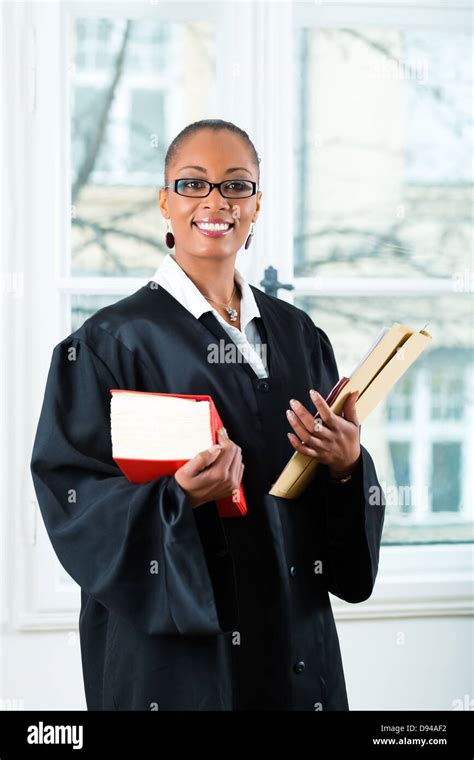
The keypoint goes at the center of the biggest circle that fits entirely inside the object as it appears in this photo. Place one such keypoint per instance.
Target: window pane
(399, 404)
(383, 168)
(400, 454)
(446, 477)
(135, 84)
(146, 107)
(419, 440)
(87, 102)
(447, 394)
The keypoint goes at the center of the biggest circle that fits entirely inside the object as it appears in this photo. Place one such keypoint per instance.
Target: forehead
(215, 151)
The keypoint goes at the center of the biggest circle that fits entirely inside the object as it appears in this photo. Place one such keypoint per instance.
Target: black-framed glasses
(201, 188)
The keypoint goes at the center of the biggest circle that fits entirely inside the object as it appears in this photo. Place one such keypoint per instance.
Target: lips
(213, 220)
(214, 227)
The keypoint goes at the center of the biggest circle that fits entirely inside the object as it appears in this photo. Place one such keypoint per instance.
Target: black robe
(238, 616)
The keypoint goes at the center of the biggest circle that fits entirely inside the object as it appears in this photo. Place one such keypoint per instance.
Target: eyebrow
(228, 171)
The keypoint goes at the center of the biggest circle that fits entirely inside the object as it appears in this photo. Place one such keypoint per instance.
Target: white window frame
(35, 155)
(420, 432)
(430, 580)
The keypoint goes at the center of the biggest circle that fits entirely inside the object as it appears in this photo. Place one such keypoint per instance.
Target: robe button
(299, 667)
(293, 570)
(263, 386)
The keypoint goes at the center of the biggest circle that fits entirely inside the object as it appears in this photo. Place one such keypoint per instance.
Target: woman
(238, 616)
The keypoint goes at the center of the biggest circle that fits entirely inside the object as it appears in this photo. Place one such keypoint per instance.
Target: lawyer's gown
(238, 615)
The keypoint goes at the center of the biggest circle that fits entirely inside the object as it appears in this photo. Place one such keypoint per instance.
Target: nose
(215, 199)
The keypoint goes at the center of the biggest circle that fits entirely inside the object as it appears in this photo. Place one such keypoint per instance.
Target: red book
(142, 470)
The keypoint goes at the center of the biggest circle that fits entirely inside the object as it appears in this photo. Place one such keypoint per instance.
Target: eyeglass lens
(199, 188)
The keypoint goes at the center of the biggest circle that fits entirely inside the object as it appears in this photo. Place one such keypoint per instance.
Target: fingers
(328, 417)
(236, 471)
(202, 460)
(336, 443)
(304, 417)
(230, 449)
(230, 468)
(212, 473)
(223, 437)
(310, 443)
(350, 413)
(304, 424)
(315, 450)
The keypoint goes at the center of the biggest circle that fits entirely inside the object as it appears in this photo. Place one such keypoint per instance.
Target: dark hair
(215, 124)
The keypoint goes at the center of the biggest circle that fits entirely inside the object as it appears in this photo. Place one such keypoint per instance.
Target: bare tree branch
(101, 230)
(94, 145)
(389, 239)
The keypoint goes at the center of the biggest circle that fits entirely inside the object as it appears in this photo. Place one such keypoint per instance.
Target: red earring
(249, 239)
(169, 236)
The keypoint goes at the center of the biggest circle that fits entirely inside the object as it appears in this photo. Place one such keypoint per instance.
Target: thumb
(202, 460)
(350, 413)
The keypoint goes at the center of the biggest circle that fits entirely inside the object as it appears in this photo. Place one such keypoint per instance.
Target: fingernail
(224, 432)
(313, 392)
(214, 447)
(294, 403)
(289, 414)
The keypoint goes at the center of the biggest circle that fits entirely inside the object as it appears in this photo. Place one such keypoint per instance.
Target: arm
(353, 515)
(350, 515)
(136, 548)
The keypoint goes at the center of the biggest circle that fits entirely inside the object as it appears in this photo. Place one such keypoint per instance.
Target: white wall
(42, 670)
(410, 664)
(392, 664)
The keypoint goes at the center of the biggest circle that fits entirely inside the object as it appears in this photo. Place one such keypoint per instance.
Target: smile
(214, 230)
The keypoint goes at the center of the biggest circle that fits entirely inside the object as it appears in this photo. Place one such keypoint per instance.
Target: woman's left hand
(335, 442)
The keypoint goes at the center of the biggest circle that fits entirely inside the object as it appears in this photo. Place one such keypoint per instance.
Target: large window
(382, 130)
(383, 206)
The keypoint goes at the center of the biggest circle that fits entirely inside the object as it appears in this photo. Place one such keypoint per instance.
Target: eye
(237, 186)
(193, 184)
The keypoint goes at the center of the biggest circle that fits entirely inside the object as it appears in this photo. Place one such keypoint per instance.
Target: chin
(215, 252)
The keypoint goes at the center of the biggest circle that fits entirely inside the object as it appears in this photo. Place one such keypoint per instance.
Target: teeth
(213, 227)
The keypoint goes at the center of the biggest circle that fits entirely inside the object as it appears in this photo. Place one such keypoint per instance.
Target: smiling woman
(238, 616)
(215, 195)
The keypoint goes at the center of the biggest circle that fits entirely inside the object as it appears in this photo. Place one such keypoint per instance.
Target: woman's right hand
(212, 473)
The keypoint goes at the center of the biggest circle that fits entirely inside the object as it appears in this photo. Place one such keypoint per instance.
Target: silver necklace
(233, 313)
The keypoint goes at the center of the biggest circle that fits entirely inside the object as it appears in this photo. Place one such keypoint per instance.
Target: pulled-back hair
(215, 124)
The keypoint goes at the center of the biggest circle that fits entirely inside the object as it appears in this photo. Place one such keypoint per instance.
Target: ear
(163, 202)
(257, 204)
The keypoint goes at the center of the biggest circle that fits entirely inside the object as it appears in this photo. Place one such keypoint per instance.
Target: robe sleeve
(135, 548)
(351, 514)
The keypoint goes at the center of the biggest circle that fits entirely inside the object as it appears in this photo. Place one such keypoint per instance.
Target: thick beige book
(392, 353)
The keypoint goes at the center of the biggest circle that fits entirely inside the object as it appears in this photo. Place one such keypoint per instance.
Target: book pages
(148, 426)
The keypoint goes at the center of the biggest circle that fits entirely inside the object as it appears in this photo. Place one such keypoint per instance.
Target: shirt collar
(175, 280)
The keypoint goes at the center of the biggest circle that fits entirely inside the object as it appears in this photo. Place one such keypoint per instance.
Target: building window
(399, 403)
(447, 394)
(383, 198)
(400, 453)
(446, 476)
